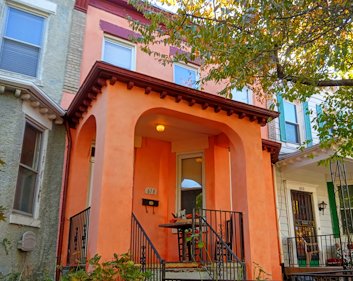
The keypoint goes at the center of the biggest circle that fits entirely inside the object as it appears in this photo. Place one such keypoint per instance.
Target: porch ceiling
(176, 129)
(309, 160)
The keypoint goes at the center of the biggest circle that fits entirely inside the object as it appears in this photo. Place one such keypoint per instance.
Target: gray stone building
(34, 40)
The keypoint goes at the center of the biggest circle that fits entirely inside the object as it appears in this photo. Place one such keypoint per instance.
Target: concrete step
(194, 271)
(187, 273)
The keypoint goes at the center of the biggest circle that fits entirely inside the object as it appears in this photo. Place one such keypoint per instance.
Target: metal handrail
(224, 244)
(323, 249)
(216, 254)
(144, 253)
(78, 238)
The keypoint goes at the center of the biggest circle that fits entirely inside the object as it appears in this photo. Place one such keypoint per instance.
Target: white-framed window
(26, 203)
(244, 95)
(119, 52)
(22, 41)
(185, 75)
(29, 168)
(190, 190)
(291, 122)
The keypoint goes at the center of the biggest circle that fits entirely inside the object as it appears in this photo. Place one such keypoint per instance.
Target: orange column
(110, 219)
(252, 197)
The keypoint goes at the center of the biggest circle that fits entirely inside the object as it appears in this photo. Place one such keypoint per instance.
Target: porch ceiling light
(160, 128)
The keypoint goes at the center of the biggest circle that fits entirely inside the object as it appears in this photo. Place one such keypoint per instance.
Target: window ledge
(21, 77)
(24, 220)
(44, 6)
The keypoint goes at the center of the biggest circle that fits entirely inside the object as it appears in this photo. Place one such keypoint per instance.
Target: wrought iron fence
(78, 237)
(341, 275)
(143, 252)
(318, 250)
(218, 243)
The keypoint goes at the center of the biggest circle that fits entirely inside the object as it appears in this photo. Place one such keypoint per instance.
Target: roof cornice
(102, 73)
(273, 147)
(28, 91)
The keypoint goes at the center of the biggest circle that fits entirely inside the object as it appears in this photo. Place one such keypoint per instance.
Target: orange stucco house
(126, 179)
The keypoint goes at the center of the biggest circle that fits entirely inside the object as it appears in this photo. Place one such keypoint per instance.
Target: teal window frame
(283, 122)
(307, 123)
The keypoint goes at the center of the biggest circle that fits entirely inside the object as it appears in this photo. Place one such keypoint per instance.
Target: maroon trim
(118, 7)
(273, 147)
(101, 73)
(118, 31)
(174, 51)
(81, 5)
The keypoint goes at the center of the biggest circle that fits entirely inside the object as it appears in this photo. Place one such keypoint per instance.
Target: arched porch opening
(79, 193)
(189, 164)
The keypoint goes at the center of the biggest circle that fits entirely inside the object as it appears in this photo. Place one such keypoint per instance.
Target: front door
(304, 225)
(190, 183)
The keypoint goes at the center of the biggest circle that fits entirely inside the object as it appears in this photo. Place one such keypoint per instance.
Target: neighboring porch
(328, 250)
(314, 206)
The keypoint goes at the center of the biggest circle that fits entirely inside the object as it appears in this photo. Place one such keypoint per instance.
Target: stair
(185, 271)
(193, 271)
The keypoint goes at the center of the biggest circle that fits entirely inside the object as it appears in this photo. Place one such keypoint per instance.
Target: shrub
(122, 268)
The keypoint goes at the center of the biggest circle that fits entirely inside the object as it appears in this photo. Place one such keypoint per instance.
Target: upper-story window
(28, 173)
(119, 53)
(22, 42)
(291, 122)
(244, 95)
(185, 75)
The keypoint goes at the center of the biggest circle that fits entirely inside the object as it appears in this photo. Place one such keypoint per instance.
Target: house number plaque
(150, 190)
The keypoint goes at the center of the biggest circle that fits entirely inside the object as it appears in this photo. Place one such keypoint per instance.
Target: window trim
(41, 47)
(32, 116)
(188, 67)
(249, 95)
(292, 123)
(282, 122)
(34, 124)
(123, 43)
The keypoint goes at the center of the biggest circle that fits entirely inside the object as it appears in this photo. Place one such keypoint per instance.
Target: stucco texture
(41, 261)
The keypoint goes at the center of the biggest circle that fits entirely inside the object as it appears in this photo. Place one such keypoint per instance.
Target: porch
(213, 243)
(318, 253)
(204, 158)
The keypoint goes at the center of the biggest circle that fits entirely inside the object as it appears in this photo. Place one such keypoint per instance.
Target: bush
(120, 267)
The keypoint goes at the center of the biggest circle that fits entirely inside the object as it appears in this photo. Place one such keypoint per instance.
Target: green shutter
(307, 123)
(333, 209)
(318, 113)
(282, 122)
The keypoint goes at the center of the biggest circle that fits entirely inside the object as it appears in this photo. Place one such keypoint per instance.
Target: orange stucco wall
(93, 44)
(124, 171)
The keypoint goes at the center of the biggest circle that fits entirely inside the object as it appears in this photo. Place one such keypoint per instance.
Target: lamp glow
(160, 128)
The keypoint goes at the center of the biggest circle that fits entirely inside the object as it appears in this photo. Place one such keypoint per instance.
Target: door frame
(305, 187)
(179, 157)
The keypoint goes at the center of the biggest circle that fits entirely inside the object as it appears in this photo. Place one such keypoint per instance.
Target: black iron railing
(319, 250)
(144, 254)
(78, 237)
(218, 243)
(341, 275)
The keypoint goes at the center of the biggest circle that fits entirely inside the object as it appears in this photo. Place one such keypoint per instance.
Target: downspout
(279, 244)
(64, 195)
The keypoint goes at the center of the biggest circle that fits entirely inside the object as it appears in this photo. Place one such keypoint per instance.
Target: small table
(181, 226)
